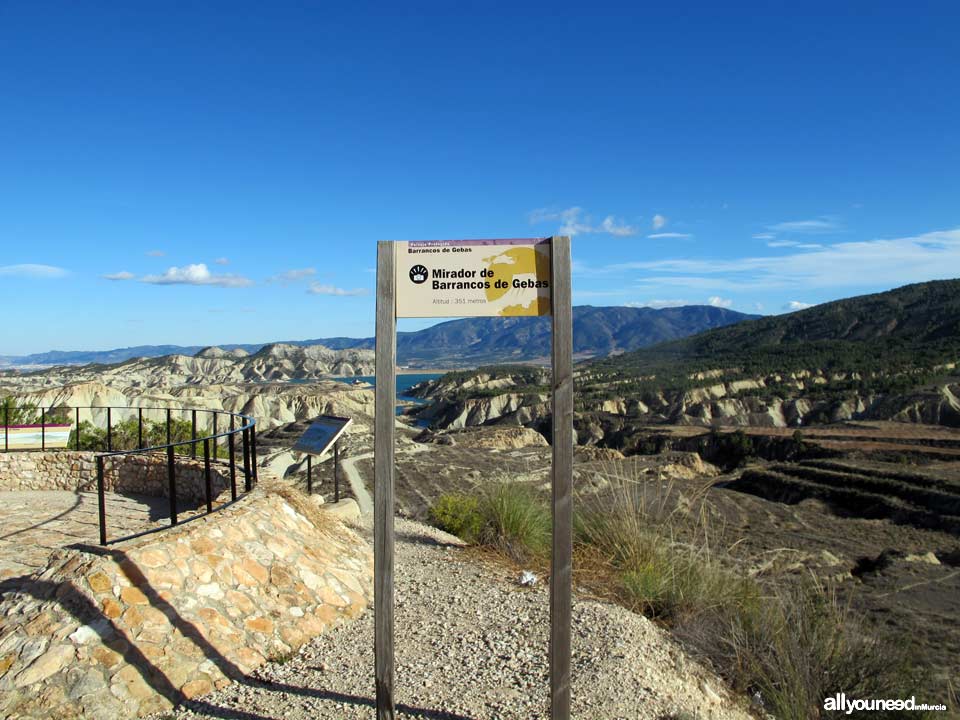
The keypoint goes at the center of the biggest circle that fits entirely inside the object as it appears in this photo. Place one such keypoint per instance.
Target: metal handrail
(247, 431)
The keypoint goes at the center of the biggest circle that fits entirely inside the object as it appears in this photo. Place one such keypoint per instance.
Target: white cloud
(222, 261)
(764, 236)
(197, 274)
(658, 304)
(290, 276)
(815, 226)
(715, 301)
(574, 221)
(782, 243)
(156, 253)
(31, 270)
(871, 263)
(658, 221)
(572, 224)
(666, 235)
(319, 289)
(122, 275)
(619, 229)
(797, 305)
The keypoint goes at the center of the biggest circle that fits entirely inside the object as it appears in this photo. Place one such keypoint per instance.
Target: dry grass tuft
(645, 544)
(300, 502)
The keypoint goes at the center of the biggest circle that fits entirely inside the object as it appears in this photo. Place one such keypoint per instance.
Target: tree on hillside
(19, 412)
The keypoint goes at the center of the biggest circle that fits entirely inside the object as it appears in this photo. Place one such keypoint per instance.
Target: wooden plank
(561, 561)
(386, 369)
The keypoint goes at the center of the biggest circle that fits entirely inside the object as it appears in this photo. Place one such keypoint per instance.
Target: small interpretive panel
(473, 278)
(322, 434)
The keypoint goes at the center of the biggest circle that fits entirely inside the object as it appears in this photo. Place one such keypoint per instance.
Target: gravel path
(471, 643)
(356, 482)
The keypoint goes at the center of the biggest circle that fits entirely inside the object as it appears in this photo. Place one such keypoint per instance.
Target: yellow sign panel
(473, 278)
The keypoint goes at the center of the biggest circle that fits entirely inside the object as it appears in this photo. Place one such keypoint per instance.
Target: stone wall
(138, 626)
(143, 473)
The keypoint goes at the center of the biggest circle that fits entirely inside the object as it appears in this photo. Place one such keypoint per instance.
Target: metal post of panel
(6, 428)
(309, 474)
(109, 431)
(193, 433)
(101, 502)
(561, 560)
(214, 434)
(253, 450)
(43, 428)
(246, 460)
(77, 411)
(140, 428)
(168, 426)
(172, 480)
(207, 485)
(386, 369)
(233, 460)
(336, 471)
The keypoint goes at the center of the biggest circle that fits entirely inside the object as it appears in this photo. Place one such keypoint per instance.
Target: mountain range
(597, 331)
(901, 330)
(893, 355)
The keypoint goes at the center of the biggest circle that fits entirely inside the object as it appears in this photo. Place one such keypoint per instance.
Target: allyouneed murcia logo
(841, 703)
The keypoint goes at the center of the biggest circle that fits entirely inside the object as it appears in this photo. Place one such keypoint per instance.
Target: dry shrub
(641, 542)
(512, 517)
(635, 528)
(798, 646)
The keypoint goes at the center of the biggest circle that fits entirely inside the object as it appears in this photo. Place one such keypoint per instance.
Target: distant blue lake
(404, 383)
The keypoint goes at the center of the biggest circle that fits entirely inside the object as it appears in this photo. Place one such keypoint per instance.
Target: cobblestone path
(34, 523)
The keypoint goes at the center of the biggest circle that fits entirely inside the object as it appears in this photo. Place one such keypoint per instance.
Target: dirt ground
(902, 580)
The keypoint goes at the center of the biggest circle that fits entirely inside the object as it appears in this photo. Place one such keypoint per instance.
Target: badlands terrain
(820, 446)
(279, 384)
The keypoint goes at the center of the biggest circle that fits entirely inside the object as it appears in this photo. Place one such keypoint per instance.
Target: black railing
(187, 447)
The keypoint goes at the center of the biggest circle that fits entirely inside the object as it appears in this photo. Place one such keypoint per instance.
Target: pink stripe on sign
(459, 243)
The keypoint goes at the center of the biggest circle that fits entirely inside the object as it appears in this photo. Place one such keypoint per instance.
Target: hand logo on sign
(418, 273)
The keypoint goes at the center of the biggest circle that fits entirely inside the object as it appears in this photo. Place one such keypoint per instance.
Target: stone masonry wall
(138, 626)
(143, 473)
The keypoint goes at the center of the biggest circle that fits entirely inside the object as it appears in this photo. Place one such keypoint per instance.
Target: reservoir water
(404, 383)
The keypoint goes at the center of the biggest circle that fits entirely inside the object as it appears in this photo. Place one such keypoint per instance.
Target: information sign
(322, 434)
(473, 278)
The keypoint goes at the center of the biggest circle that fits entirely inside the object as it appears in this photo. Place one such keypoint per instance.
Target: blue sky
(231, 165)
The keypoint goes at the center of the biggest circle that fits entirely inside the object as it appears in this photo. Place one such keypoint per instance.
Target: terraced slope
(907, 498)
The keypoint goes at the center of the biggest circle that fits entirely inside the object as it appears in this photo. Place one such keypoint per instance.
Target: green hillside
(904, 332)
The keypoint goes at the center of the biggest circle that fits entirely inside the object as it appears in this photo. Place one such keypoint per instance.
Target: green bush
(517, 518)
(124, 436)
(512, 517)
(458, 515)
(19, 412)
(731, 450)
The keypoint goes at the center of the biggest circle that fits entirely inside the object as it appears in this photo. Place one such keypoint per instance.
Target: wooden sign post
(474, 278)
